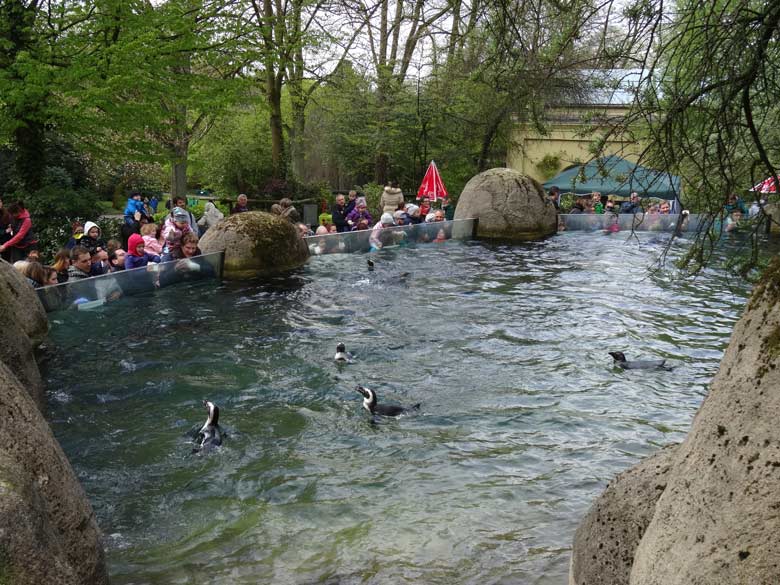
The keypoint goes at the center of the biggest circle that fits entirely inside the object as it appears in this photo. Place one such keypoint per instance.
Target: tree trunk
(297, 143)
(274, 99)
(179, 169)
(30, 155)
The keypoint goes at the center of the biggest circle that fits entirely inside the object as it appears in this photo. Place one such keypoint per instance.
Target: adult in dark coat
(339, 214)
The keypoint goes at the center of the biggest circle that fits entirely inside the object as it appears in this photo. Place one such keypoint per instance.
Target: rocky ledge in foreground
(48, 532)
(707, 511)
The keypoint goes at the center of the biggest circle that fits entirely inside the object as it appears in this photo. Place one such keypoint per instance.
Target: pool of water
(523, 419)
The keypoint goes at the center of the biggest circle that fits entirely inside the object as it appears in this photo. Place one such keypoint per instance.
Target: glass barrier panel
(375, 239)
(642, 222)
(92, 292)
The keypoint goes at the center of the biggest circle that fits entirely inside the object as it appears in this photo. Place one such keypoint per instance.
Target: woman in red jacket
(23, 239)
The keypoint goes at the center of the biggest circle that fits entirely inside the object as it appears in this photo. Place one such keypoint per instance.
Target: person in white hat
(385, 221)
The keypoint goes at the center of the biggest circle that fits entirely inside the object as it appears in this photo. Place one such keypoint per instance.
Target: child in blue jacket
(134, 204)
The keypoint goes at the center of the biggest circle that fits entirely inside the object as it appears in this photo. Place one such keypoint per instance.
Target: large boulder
(24, 327)
(48, 532)
(255, 244)
(509, 206)
(607, 537)
(718, 518)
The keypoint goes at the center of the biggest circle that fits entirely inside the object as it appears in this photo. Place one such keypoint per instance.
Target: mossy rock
(509, 206)
(255, 244)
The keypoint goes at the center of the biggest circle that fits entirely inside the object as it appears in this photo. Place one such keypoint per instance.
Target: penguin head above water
(341, 353)
(370, 264)
(618, 356)
(369, 398)
(213, 410)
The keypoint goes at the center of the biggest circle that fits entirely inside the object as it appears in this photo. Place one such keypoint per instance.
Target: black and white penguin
(621, 362)
(209, 435)
(342, 355)
(370, 404)
(370, 265)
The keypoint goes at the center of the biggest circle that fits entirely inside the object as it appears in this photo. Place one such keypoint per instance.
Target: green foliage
(54, 206)
(373, 192)
(549, 165)
(111, 228)
(236, 158)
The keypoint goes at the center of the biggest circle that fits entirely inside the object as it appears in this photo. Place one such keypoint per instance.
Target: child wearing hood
(175, 227)
(359, 213)
(136, 255)
(134, 204)
(91, 239)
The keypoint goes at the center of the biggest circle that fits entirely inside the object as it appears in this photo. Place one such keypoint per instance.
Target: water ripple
(523, 421)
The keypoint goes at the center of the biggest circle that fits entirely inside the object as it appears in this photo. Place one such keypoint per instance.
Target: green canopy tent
(615, 175)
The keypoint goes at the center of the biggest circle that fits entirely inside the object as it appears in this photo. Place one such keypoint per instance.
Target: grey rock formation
(607, 537)
(509, 205)
(48, 532)
(718, 518)
(24, 327)
(256, 243)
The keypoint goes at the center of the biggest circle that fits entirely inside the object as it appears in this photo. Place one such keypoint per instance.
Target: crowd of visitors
(144, 242)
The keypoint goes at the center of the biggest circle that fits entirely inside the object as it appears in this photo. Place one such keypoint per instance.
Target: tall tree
(154, 78)
(709, 102)
(31, 56)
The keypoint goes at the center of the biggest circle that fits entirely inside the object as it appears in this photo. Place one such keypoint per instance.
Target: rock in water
(717, 519)
(509, 205)
(49, 530)
(625, 508)
(24, 327)
(255, 244)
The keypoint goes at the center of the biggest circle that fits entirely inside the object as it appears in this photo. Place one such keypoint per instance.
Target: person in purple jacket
(360, 212)
(136, 257)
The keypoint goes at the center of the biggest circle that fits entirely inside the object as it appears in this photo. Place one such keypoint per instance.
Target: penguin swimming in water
(370, 265)
(621, 362)
(210, 434)
(342, 355)
(370, 404)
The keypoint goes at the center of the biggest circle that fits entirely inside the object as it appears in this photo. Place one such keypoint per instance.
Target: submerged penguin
(370, 404)
(209, 435)
(621, 362)
(342, 355)
(370, 265)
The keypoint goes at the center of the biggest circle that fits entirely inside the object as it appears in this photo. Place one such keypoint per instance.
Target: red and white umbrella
(766, 186)
(432, 186)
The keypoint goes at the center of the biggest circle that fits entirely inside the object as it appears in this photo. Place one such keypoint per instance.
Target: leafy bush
(373, 193)
(54, 206)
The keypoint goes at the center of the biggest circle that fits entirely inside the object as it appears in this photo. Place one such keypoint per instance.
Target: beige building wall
(542, 156)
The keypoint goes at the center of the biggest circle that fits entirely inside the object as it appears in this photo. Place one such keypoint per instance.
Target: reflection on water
(523, 421)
